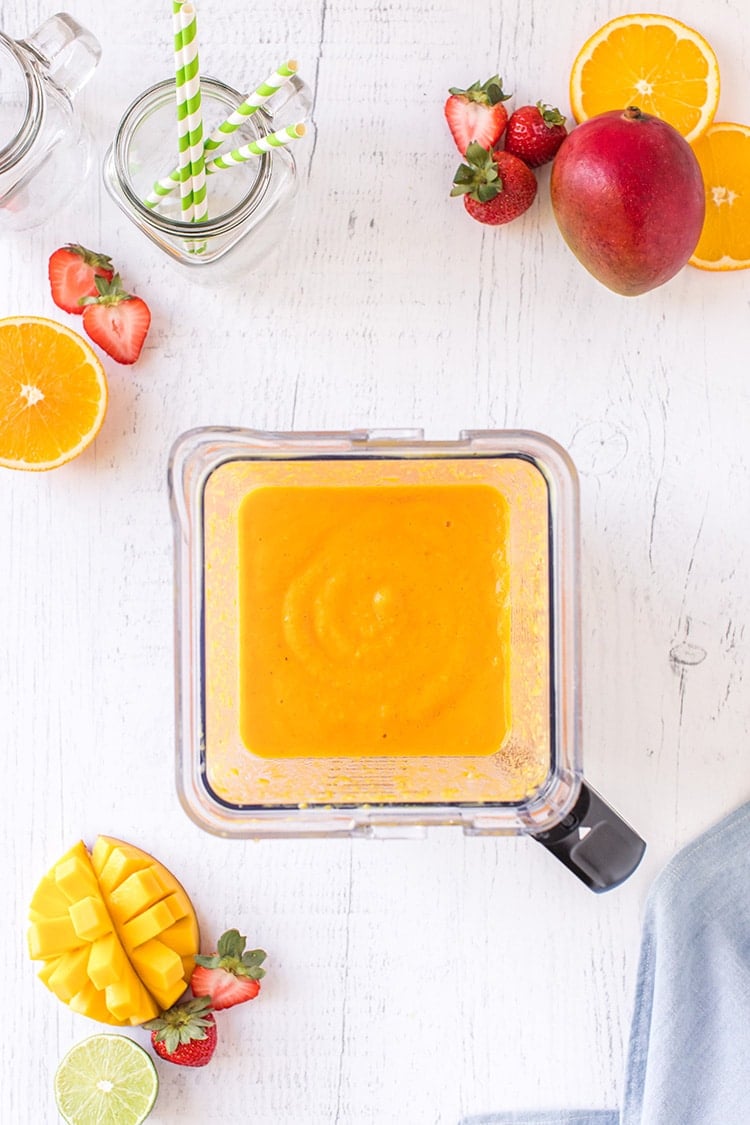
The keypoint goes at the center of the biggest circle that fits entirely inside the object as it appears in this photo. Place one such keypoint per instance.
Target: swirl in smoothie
(374, 621)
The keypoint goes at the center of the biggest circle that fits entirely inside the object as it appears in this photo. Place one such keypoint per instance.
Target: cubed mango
(107, 961)
(116, 932)
(90, 918)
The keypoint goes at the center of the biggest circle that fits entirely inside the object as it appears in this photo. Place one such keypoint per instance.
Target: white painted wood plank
(409, 982)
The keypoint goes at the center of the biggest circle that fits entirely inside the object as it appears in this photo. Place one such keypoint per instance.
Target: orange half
(53, 393)
(654, 62)
(723, 153)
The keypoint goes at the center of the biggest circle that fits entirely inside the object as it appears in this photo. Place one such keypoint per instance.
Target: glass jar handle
(294, 98)
(67, 51)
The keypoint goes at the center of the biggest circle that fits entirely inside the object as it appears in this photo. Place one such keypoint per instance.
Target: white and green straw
(183, 140)
(251, 104)
(246, 109)
(189, 110)
(255, 148)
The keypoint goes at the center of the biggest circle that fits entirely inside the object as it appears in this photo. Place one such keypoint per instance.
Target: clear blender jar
(234, 781)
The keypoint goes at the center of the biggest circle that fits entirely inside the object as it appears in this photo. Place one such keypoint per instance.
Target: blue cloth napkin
(689, 1053)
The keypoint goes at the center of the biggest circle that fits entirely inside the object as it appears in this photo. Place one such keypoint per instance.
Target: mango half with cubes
(116, 933)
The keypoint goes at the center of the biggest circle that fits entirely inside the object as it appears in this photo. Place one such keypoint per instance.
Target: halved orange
(723, 153)
(53, 393)
(654, 62)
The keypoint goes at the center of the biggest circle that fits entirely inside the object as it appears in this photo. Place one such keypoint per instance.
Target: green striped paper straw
(190, 105)
(247, 108)
(255, 148)
(251, 104)
(183, 140)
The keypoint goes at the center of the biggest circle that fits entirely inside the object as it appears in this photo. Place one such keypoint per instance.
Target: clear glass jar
(45, 152)
(248, 205)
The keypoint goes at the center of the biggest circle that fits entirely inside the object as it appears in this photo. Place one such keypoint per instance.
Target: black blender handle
(594, 842)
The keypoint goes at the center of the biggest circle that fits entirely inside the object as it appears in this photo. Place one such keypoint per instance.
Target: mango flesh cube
(47, 969)
(116, 870)
(166, 997)
(139, 891)
(75, 877)
(161, 970)
(49, 937)
(183, 936)
(91, 1002)
(69, 975)
(116, 931)
(128, 1000)
(101, 852)
(106, 961)
(148, 924)
(179, 904)
(90, 918)
(48, 900)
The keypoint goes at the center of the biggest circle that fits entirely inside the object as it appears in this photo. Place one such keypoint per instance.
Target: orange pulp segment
(723, 153)
(53, 393)
(654, 62)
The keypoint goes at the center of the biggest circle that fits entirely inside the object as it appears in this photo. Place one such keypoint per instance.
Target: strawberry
(535, 133)
(497, 187)
(477, 114)
(185, 1034)
(72, 271)
(115, 320)
(230, 975)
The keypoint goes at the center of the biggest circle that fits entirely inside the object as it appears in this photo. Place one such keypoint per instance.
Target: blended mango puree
(374, 621)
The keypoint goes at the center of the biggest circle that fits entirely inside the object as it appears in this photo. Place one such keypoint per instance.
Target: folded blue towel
(689, 1054)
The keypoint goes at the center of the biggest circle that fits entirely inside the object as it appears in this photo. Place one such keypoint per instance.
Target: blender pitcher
(469, 669)
(44, 148)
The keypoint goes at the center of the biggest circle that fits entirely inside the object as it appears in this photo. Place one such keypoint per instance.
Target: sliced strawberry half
(231, 975)
(72, 272)
(477, 114)
(115, 320)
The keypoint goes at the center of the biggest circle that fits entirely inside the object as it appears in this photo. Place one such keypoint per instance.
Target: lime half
(106, 1080)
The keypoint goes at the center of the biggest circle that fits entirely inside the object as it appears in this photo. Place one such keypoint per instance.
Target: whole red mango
(628, 196)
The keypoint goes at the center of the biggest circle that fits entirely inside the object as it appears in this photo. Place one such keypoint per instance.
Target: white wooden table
(409, 982)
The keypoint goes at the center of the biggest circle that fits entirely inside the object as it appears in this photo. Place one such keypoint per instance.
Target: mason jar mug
(45, 153)
(249, 205)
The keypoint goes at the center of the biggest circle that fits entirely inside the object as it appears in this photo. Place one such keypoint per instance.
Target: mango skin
(628, 197)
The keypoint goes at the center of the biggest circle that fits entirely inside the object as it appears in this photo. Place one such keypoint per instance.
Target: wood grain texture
(410, 982)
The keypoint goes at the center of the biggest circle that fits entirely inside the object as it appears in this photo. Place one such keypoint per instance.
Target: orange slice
(53, 393)
(655, 62)
(723, 153)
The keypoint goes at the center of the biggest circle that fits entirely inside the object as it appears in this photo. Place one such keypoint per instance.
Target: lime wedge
(106, 1080)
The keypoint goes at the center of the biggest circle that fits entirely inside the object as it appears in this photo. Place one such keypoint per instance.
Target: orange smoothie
(374, 621)
(375, 631)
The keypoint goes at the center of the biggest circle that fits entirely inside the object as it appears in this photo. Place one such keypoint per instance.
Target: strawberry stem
(182, 1023)
(479, 176)
(108, 292)
(233, 958)
(486, 93)
(550, 114)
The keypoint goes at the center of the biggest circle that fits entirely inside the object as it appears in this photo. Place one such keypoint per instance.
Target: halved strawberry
(115, 320)
(477, 114)
(72, 271)
(230, 976)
